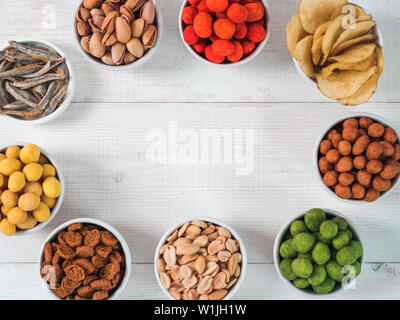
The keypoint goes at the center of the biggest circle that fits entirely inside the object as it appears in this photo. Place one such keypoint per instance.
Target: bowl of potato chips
(337, 45)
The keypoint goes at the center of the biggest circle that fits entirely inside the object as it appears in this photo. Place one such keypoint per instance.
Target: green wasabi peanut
(307, 256)
(313, 219)
(328, 229)
(302, 268)
(349, 233)
(325, 287)
(303, 242)
(357, 266)
(321, 253)
(286, 269)
(356, 245)
(318, 276)
(346, 256)
(341, 223)
(301, 283)
(286, 249)
(319, 238)
(342, 239)
(297, 227)
(334, 270)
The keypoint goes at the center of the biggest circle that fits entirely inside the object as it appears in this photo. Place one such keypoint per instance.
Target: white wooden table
(100, 143)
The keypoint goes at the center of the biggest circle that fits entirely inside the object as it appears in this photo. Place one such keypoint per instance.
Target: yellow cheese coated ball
(9, 199)
(5, 210)
(49, 201)
(29, 223)
(43, 159)
(17, 215)
(9, 166)
(2, 156)
(30, 153)
(29, 201)
(13, 152)
(52, 187)
(7, 228)
(42, 214)
(48, 171)
(16, 182)
(33, 172)
(33, 187)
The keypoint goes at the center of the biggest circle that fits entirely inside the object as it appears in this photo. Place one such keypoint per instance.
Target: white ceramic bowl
(138, 63)
(216, 222)
(69, 95)
(249, 58)
(104, 225)
(60, 200)
(378, 39)
(277, 258)
(374, 117)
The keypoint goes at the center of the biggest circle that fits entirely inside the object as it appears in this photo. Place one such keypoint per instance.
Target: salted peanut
(364, 177)
(324, 165)
(381, 185)
(371, 195)
(325, 146)
(376, 130)
(374, 151)
(345, 164)
(336, 138)
(343, 192)
(390, 171)
(365, 123)
(388, 149)
(358, 191)
(344, 148)
(350, 123)
(333, 156)
(374, 166)
(330, 179)
(360, 162)
(390, 136)
(346, 179)
(361, 145)
(350, 134)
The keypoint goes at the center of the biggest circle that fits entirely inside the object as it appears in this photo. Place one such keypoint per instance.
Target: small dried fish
(34, 52)
(39, 91)
(13, 55)
(17, 105)
(22, 95)
(46, 68)
(3, 94)
(55, 102)
(28, 69)
(30, 83)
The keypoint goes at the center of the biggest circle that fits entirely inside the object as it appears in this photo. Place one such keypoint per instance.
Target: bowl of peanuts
(200, 259)
(356, 159)
(85, 259)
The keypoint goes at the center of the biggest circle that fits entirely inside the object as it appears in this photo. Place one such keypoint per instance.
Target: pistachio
(135, 5)
(135, 47)
(107, 59)
(125, 11)
(150, 36)
(82, 15)
(108, 7)
(129, 58)
(123, 30)
(85, 43)
(118, 52)
(96, 22)
(148, 12)
(109, 39)
(108, 25)
(97, 48)
(96, 12)
(138, 27)
(91, 4)
(83, 29)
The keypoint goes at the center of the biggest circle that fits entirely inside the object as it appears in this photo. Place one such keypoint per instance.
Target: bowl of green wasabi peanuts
(319, 254)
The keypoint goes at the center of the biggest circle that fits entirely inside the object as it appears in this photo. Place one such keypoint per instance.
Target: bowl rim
(106, 226)
(216, 222)
(68, 96)
(244, 61)
(125, 67)
(378, 40)
(377, 118)
(278, 241)
(60, 199)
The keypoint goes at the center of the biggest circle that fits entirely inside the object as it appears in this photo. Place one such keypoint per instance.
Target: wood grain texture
(174, 75)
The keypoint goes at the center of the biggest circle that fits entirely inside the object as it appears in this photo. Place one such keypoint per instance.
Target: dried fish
(34, 52)
(3, 94)
(49, 65)
(39, 91)
(22, 95)
(13, 55)
(28, 69)
(17, 105)
(30, 83)
(54, 103)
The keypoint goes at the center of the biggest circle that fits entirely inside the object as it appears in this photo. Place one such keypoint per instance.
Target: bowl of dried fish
(36, 81)
(118, 35)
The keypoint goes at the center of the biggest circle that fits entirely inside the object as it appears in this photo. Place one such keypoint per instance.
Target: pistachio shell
(97, 12)
(123, 30)
(108, 25)
(135, 47)
(85, 43)
(82, 15)
(125, 11)
(135, 5)
(129, 58)
(97, 48)
(109, 39)
(138, 27)
(91, 4)
(83, 29)
(118, 52)
(150, 36)
(107, 59)
(96, 23)
(148, 12)
(108, 7)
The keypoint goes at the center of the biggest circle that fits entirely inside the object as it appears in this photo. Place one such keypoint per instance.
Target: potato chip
(343, 66)
(356, 53)
(380, 60)
(348, 9)
(366, 17)
(343, 84)
(316, 51)
(331, 35)
(313, 13)
(363, 39)
(321, 30)
(357, 30)
(303, 56)
(294, 33)
(363, 94)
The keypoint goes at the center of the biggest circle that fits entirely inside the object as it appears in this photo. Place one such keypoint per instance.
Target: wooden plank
(102, 150)
(173, 75)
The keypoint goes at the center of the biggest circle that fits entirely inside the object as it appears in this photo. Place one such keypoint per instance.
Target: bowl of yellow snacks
(31, 189)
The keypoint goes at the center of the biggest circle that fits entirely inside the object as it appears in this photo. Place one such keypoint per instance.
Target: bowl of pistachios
(120, 35)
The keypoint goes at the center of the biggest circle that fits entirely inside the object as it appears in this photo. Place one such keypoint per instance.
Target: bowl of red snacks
(224, 32)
